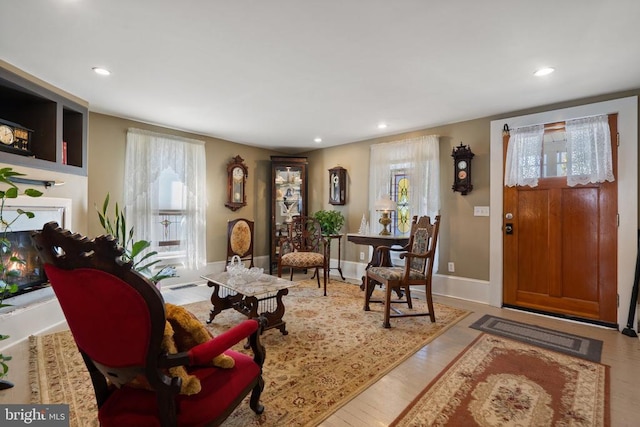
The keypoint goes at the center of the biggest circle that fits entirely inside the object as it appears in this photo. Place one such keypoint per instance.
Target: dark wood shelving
(52, 118)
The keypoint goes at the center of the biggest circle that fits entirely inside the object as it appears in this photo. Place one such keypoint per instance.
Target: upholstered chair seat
(395, 273)
(302, 259)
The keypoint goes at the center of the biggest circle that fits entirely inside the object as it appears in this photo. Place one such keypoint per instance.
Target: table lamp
(385, 205)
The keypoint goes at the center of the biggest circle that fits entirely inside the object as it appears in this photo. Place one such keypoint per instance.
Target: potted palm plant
(9, 260)
(133, 249)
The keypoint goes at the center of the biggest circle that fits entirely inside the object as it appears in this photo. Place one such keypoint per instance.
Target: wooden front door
(560, 246)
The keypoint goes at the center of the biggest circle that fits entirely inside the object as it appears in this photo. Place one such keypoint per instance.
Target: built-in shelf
(58, 124)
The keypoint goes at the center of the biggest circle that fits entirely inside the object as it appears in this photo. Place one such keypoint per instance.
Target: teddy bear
(182, 332)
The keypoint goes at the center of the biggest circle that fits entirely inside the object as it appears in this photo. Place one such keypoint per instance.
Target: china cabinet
(288, 198)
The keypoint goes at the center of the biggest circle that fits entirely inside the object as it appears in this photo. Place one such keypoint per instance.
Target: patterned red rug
(499, 382)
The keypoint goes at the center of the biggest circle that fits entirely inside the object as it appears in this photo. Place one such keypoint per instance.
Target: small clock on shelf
(237, 173)
(462, 156)
(15, 138)
(337, 186)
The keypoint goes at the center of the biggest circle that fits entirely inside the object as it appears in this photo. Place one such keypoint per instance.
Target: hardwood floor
(383, 401)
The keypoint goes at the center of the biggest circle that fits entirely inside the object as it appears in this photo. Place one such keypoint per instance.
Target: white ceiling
(279, 73)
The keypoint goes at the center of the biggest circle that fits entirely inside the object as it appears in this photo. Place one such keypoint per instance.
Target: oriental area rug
(334, 350)
(500, 382)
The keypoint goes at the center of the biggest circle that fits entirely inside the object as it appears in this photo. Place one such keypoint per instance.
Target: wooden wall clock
(337, 186)
(237, 173)
(462, 156)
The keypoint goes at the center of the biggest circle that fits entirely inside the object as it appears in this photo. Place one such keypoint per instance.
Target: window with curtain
(409, 171)
(165, 195)
(581, 152)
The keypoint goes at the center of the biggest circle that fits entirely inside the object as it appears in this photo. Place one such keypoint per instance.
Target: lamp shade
(385, 204)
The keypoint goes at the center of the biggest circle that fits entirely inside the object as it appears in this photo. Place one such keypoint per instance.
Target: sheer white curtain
(524, 156)
(589, 150)
(148, 154)
(420, 158)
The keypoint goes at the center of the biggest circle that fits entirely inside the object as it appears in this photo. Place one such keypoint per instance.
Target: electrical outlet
(361, 256)
(451, 267)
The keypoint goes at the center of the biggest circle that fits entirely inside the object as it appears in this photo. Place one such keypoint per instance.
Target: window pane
(554, 154)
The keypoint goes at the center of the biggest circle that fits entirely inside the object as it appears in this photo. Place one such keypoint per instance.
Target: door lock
(508, 228)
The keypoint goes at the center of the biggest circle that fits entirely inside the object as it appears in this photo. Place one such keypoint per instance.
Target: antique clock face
(462, 156)
(238, 184)
(237, 175)
(6, 135)
(15, 138)
(337, 186)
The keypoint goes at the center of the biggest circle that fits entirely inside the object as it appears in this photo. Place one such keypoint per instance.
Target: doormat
(501, 382)
(573, 345)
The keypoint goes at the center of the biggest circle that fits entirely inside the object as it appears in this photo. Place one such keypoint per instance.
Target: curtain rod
(506, 128)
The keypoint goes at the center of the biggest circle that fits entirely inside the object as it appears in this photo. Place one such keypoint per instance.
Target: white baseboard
(34, 319)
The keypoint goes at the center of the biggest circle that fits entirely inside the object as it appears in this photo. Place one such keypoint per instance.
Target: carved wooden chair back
(240, 240)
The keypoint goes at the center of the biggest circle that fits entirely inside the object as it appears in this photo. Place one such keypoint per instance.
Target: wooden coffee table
(258, 297)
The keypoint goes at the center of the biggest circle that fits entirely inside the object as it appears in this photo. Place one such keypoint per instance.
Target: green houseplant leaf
(134, 251)
(330, 221)
(7, 258)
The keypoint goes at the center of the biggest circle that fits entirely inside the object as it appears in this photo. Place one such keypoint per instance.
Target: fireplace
(45, 209)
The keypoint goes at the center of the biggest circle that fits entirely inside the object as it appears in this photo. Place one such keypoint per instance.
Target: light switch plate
(481, 211)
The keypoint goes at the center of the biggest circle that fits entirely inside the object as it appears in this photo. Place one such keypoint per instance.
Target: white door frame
(627, 109)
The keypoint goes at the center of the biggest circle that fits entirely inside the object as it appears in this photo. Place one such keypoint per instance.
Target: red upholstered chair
(117, 318)
(304, 248)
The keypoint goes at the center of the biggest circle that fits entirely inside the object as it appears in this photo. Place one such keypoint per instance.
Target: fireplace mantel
(45, 209)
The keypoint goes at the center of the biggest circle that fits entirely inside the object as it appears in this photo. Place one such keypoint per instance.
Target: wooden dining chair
(304, 248)
(417, 271)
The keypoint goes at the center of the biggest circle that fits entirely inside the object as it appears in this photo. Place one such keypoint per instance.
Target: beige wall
(463, 237)
(107, 138)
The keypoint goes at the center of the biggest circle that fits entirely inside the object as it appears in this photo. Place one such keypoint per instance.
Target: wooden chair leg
(317, 276)
(291, 276)
(326, 279)
(432, 314)
(408, 292)
(387, 307)
(367, 293)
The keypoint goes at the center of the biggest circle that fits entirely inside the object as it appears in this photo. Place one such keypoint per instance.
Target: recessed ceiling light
(382, 125)
(544, 71)
(101, 71)
(318, 140)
